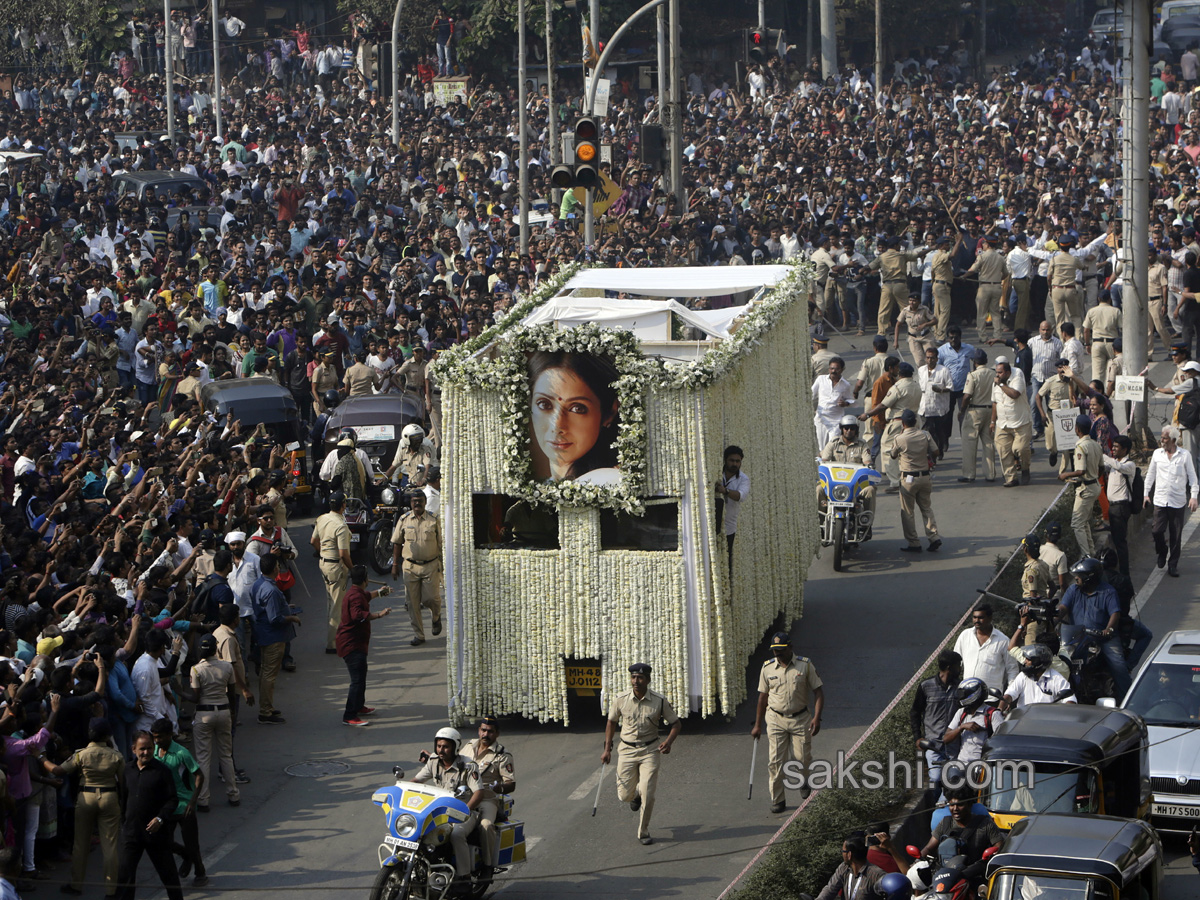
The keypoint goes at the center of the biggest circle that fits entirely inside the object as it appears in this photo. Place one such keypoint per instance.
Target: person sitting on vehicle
(414, 456)
(331, 459)
(848, 448)
(450, 771)
(974, 833)
(1131, 630)
(497, 775)
(349, 475)
(855, 878)
(1091, 604)
(1047, 638)
(972, 723)
(1037, 683)
(330, 399)
(1170, 698)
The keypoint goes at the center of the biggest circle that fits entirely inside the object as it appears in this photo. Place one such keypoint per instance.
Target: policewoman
(790, 699)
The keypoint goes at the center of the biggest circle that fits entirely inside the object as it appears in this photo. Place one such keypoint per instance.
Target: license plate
(583, 678)
(354, 538)
(1181, 812)
(400, 842)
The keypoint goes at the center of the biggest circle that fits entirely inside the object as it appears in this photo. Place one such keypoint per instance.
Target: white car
(1166, 693)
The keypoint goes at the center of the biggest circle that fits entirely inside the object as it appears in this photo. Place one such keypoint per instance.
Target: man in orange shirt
(883, 384)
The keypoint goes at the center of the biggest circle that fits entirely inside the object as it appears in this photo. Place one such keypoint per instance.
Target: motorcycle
(416, 858)
(939, 876)
(844, 524)
(1090, 675)
(392, 503)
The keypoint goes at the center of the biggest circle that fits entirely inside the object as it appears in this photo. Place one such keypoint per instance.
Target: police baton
(753, 760)
(827, 324)
(603, 768)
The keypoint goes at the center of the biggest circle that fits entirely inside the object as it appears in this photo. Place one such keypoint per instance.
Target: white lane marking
(1142, 600)
(588, 786)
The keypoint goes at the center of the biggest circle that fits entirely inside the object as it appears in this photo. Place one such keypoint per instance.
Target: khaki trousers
(1102, 352)
(1021, 286)
(891, 296)
(637, 775)
(92, 811)
(1064, 302)
(891, 467)
(213, 732)
(1158, 323)
(788, 739)
(336, 577)
(976, 430)
(1081, 516)
(916, 346)
(423, 587)
(987, 303)
(488, 810)
(913, 494)
(272, 659)
(1014, 446)
(941, 310)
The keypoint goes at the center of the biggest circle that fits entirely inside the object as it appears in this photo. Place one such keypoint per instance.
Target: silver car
(1166, 693)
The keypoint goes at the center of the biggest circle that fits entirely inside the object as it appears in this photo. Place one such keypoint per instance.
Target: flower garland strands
(522, 613)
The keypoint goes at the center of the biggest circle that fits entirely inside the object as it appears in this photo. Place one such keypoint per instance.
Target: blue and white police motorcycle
(845, 521)
(416, 858)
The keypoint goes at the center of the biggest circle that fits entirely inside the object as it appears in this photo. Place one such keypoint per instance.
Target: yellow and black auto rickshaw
(1060, 856)
(1067, 757)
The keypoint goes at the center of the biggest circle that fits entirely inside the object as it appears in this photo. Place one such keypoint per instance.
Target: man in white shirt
(733, 487)
(831, 394)
(936, 385)
(1037, 682)
(147, 681)
(1012, 422)
(1171, 478)
(984, 651)
(1047, 350)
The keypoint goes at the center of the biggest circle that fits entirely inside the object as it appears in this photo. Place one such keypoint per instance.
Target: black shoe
(934, 546)
(778, 807)
(437, 627)
(272, 719)
(1013, 483)
(241, 777)
(636, 803)
(290, 665)
(185, 868)
(416, 641)
(647, 840)
(200, 881)
(1053, 458)
(1173, 572)
(235, 802)
(1024, 476)
(70, 889)
(966, 481)
(907, 549)
(200, 807)
(1162, 558)
(990, 480)
(331, 650)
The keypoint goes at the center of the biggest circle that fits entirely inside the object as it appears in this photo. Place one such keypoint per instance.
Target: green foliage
(98, 25)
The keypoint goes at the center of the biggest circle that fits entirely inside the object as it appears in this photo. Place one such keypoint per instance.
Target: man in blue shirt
(956, 357)
(1093, 604)
(274, 626)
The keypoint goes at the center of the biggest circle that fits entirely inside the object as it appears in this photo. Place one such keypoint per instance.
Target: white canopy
(686, 281)
(649, 320)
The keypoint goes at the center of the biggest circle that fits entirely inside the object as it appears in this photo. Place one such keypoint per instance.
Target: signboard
(603, 88)
(606, 153)
(447, 90)
(376, 432)
(1131, 387)
(1064, 427)
(603, 196)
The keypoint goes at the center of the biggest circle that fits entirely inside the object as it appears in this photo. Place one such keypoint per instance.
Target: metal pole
(808, 33)
(523, 126)
(676, 142)
(552, 112)
(878, 48)
(662, 62)
(217, 73)
(983, 41)
(762, 15)
(1135, 191)
(828, 38)
(590, 99)
(396, 73)
(169, 65)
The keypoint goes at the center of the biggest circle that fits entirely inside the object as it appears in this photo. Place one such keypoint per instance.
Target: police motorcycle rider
(497, 775)
(451, 771)
(848, 448)
(415, 454)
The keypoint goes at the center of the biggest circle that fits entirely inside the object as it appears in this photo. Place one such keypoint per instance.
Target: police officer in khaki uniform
(919, 321)
(497, 775)
(331, 541)
(790, 700)
(415, 456)
(417, 541)
(848, 447)
(450, 770)
(1061, 270)
(892, 265)
(868, 374)
(821, 354)
(1101, 326)
(1036, 584)
(1055, 393)
(637, 713)
(100, 768)
(989, 266)
(916, 452)
(942, 272)
(975, 418)
(904, 394)
(1086, 478)
(212, 678)
(823, 284)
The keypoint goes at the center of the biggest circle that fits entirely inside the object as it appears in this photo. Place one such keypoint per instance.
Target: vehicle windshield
(1167, 694)
(1047, 789)
(1015, 886)
(1104, 18)
(1182, 11)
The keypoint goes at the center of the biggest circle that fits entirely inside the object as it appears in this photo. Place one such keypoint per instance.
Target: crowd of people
(144, 556)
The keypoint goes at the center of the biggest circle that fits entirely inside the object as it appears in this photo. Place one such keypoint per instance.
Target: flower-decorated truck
(584, 436)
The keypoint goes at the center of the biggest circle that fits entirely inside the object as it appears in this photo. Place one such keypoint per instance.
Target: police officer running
(637, 713)
(790, 699)
(417, 544)
(331, 541)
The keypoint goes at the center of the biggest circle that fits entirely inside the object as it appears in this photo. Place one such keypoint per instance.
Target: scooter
(416, 859)
(939, 876)
(845, 523)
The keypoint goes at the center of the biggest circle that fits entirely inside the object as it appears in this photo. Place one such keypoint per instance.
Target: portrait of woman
(573, 417)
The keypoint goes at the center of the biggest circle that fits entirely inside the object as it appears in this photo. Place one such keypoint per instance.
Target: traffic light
(587, 152)
(651, 147)
(758, 46)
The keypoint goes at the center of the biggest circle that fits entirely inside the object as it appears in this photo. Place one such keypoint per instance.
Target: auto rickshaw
(1059, 856)
(1070, 758)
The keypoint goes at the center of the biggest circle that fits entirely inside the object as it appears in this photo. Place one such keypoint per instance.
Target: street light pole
(878, 48)
(1135, 195)
(396, 73)
(661, 33)
(762, 15)
(217, 72)
(676, 140)
(828, 38)
(523, 125)
(552, 113)
(169, 65)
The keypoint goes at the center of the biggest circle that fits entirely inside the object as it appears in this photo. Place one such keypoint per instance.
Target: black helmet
(895, 886)
(1087, 570)
(1037, 659)
(1108, 558)
(970, 692)
(348, 433)
(331, 398)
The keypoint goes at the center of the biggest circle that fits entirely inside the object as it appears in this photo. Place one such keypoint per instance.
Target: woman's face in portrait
(567, 418)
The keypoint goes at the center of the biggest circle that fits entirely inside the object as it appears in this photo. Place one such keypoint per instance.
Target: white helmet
(448, 733)
(413, 430)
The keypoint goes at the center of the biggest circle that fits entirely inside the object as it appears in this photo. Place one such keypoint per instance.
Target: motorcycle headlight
(387, 496)
(841, 492)
(406, 826)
